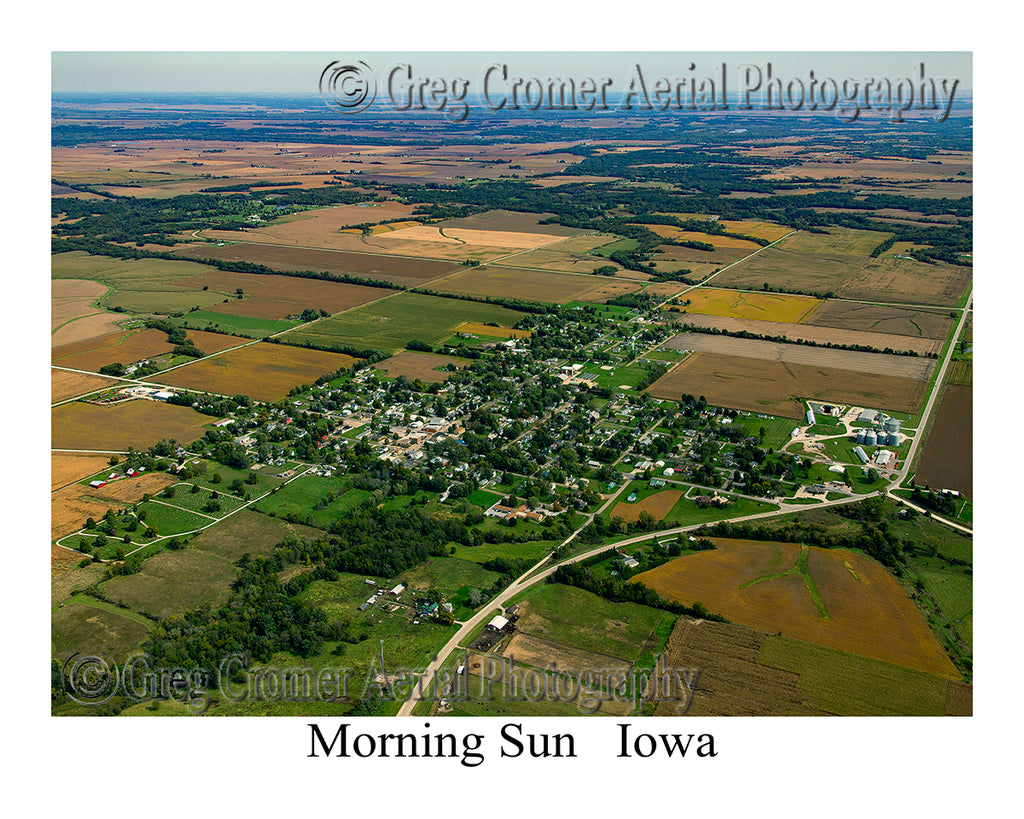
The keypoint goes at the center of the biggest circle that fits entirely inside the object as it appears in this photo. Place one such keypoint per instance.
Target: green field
(531, 551)
(299, 500)
(390, 323)
(234, 325)
(169, 520)
(451, 575)
(578, 618)
(687, 513)
(89, 626)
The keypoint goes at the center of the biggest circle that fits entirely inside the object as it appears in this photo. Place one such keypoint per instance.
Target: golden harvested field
(125, 347)
(388, 228)
(809, 332)
(893, 169)
(898, 366)
(658, 505)
(736, 304)
(368, 263)
(479, 329)
(64, 385)
(263, 371)
(508, 282)
(130, 490)
(538, 652)
(776, 388)
(723, 242)
(422, 366)
(866, 611)
(72, 314)
(138, 424)
(902, 321)
(71, 467)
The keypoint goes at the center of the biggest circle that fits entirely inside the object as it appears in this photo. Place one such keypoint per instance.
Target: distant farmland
(839, 599)
(776, 388)
(389, 324)
(749, 305)
(947, 462)
(533, 285)
(124, 347)
(263, 371)
(902, 321)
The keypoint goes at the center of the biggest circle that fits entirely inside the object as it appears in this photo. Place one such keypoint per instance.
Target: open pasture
(776, 388)
(860, 608)
(419, 366)
(809, 332)
(533, 285)
(889, 365)
(90, 627)
(125, 347)
(368, 263)
(750, 305)
(389, 324)
(138, 424)
(263, 371)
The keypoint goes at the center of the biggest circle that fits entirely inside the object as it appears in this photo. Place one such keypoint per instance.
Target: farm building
(839, 470)
(810, 417)
(397, 590)
(867, 416)
(859, 452)
(497, 623)
(883, 456)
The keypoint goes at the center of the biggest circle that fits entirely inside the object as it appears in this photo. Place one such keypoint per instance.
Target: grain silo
(860, 435)
(870, 438)
(892, 425)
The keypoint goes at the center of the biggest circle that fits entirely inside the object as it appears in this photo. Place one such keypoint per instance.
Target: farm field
(901, 321)
(388, 325)
(245, 327)
(568, 256)
(64, 385)
(138, 424)
(776, 388)
(658, 505)
(813, 333)
(742, 305)
(746, 672)
(669, 259)
(210, 343)
(422, 366)
(508, 282)
(73, 301)
(71, 467)
(125, 347)
(70, 506)
(368, 263)
(277, 297)
(841, 599)
(264, 371)
(514, 222)
(946, 462)
(892, 366)
(895, 278)
(719, 242)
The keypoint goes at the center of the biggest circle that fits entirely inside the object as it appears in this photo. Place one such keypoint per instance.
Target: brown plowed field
(869, 614)
(422, 366)
(659, 505)
(125, 347)
(69, 508)
(776, 388)
(901, 321)
(948, 461)
(540, 653)
(907, 281)
(808, 332)
(896, 366)
(130, 490)
(138, 424)
(263, 371)
(214, 342)
(370, 264)
(65, 385)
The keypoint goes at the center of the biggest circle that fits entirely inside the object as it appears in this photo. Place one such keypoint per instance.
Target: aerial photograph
(511, 385)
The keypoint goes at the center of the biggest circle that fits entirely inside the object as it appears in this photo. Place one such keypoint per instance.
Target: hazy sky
(299, 72)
